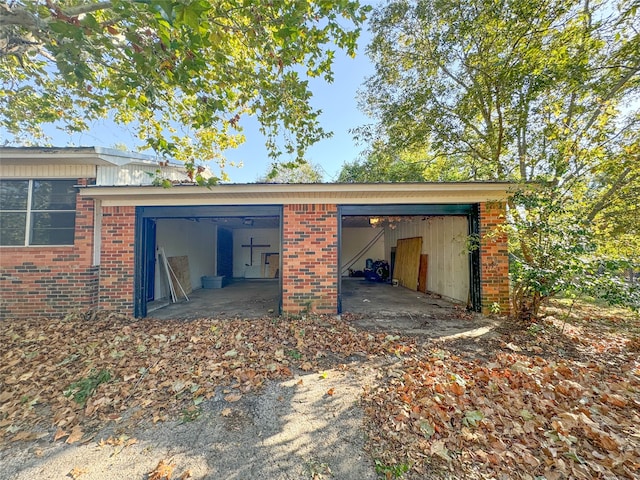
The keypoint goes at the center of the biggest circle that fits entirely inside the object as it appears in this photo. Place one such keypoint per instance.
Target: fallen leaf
(75, 435)
(513, 348)
(59, 434)
(226, 412)
(331, 391)
(163, 471)
(77, 472)
(231, 353)
(615, 400)
(438, 448)
(233, 397)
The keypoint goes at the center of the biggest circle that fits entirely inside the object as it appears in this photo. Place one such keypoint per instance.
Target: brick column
(310, 259)
(494, 257)
(116, 259)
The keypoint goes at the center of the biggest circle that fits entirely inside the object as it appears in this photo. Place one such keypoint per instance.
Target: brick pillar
(116, 259)
(310, 259)
(494, 257)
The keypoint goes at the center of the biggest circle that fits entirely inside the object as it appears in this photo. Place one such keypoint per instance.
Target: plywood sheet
(180, 268)
(407, 262)
(270, 265)
(273, 265)
(422, 273)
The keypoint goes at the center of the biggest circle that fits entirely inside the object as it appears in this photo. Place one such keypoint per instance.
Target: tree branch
(613, 189)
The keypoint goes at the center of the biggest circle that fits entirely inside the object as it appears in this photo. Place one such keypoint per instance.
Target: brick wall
(494, 257)
(116, 262)
(310, 259)
(51, 281)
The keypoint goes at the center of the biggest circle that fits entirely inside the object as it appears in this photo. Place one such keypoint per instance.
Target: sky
(337, 101)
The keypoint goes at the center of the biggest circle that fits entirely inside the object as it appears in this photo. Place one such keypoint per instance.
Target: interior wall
(180, 237)
(354, 240)
(445, 242)
(242, 255)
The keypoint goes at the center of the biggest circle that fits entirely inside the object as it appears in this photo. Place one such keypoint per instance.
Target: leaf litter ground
(556, 399)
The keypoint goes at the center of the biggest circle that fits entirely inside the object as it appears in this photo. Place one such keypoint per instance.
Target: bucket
(211, 282)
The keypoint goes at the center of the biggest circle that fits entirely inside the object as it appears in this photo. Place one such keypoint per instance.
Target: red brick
(310, 258)
(494, 259)
(48, 281)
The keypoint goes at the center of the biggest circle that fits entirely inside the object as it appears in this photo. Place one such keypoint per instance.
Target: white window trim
(27, 233)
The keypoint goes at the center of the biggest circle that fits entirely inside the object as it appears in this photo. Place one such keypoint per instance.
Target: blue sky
(337, 101)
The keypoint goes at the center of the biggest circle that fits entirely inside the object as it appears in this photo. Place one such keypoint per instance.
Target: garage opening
(208, 260)
(407, 259)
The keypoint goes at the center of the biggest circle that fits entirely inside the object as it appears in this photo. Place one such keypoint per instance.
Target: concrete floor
(240, 298)
(370, 305)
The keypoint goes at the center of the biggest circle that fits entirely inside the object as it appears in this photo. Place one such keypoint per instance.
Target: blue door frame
(471, 211)
(145, 240)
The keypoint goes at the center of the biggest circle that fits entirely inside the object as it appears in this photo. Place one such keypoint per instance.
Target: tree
(530, 91)
(184, 72)
(381, 164)
(293, 172)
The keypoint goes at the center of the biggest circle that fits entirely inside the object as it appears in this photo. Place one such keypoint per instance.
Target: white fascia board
(257, 194)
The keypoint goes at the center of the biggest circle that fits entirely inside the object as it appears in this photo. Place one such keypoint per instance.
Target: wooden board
(270, 265)
(422, 273)
(180, 267)
(407, 262)
(273, 266)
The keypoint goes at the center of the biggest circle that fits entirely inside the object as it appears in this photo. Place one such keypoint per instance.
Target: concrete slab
(380, 306)
(368, 305)
(240, 298)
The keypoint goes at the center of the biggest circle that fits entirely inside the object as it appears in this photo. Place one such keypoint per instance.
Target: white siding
(197, 240)
(47, 171)
(354, 240)
(137, 174)
(242, 255)
(444, 240)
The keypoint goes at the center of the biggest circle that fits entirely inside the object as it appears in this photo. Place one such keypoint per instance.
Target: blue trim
(139, 287)
(194, 211)
(407, 209)
(340, 210)
(280, 282)
(474, 261)
(145, 218)
(471, 211)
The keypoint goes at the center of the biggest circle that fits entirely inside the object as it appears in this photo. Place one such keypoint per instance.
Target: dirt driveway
(290, 430)
(309, 425)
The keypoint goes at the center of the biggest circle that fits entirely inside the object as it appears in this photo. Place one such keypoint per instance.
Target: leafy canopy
(293, 172)
(183, 72)
(542, 91)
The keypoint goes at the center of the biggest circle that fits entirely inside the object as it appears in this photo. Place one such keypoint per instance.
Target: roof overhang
(329, 193)
(71, 156)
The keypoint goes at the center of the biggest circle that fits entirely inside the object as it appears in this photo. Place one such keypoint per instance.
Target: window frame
(30, 211)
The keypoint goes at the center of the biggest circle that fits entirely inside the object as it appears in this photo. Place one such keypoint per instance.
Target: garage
(422, 248)
(189, 254)
(138, 248)
(304, 241)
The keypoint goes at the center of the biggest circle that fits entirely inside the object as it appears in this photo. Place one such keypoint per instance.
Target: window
(37, 212)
